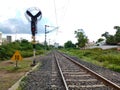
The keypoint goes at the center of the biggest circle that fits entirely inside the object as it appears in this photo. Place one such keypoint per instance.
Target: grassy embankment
(106, 58)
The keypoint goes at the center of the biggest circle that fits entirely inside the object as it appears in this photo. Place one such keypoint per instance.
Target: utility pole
(46, 32)
(45, 38)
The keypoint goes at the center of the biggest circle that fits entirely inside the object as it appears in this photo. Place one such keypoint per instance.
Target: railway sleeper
(80, 80)
(88, 87)
(74, 73)
(83, 75)
(84, 82)
(78, 77)
(66, 70)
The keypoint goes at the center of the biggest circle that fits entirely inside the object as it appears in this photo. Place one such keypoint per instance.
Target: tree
(117, 27)
(100, 40)
(69, 44)
(39, 46)
(117, 34)
(106, 35)
(81, 38)
(111, 40)
(25, 45)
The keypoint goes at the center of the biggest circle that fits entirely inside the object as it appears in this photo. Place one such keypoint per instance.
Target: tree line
(25, 48)
(82, 39)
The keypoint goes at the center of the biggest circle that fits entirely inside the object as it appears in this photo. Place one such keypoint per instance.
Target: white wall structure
(56, 45)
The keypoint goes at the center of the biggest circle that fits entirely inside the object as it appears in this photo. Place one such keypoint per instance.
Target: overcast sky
(93, 16)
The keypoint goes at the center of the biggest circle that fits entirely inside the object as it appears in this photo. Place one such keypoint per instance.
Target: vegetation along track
(78, 77)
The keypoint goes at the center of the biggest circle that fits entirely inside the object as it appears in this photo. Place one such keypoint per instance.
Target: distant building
(0, 38)
(56, 45)
(9, 39)
(4, 41)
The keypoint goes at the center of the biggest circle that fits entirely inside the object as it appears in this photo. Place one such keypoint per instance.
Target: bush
(26, 53)
(110, 58)
(39, 52)
(88, 53)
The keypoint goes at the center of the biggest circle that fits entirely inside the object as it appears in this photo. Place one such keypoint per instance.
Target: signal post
(33, 18)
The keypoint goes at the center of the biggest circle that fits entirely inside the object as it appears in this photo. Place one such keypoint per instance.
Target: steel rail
(99, 77)
(63, 78)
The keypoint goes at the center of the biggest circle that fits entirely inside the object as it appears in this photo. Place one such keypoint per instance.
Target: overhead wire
(55, 9)
(56, 20)
(65, 9)
(56, 15)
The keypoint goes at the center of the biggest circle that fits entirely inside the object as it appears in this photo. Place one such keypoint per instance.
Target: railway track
(78, 77)
(56, 80)
(61, 72)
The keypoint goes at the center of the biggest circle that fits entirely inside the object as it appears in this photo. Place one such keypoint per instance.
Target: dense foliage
(69, 44)
(25, 48)
(100, 40)
(112, 39)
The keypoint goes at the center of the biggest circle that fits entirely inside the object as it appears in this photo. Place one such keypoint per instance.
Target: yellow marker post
(16, 57)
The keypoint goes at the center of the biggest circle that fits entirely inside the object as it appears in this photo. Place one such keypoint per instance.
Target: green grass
(22, 65)
(106, 58)
(12, 73)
